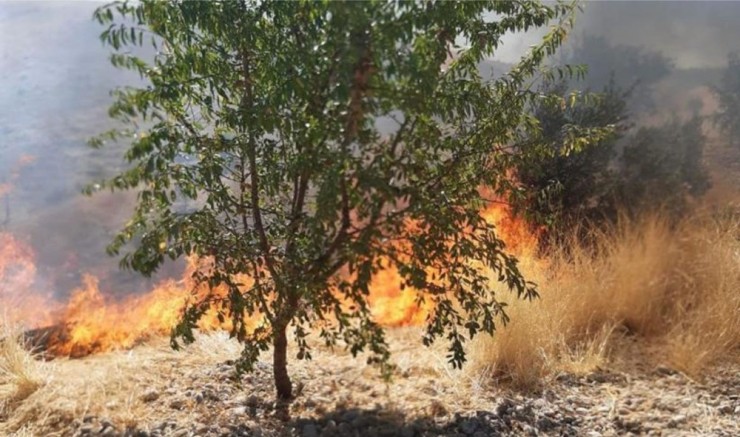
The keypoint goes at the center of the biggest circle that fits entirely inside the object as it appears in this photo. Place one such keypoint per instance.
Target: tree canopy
(306, 145)
(560, 189)
(630, 171)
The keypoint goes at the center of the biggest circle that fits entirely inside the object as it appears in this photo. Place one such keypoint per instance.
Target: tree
(662, 166)
(728, 94)
(256, 146)
(559, 189)
(656, 167)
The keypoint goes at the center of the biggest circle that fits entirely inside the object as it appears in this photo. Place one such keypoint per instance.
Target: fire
(393, 306)
(96, 323)
(93, 323)
(90, 321)
(18, 298)
(519, 237)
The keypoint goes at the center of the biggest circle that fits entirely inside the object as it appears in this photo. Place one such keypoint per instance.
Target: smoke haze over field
(55, 79)
(695, 34)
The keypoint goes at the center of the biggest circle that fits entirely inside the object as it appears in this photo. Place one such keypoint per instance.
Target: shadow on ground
(507, 419)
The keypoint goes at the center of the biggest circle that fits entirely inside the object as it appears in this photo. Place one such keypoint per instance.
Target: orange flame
(95, 323)
(90, 321)
(393, 306)
(19, 300)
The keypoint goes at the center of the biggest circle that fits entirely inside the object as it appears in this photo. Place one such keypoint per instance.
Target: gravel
(352, 401)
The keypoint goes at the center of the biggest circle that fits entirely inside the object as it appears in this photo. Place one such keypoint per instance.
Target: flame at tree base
(90, 322)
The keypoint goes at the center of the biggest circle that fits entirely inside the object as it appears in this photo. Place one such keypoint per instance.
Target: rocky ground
(595, 405)
(167, 395)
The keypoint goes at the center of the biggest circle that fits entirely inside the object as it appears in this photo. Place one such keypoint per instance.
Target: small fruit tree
(261, 141)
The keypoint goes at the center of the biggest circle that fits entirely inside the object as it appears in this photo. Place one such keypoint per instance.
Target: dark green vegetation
(634, 170)
(559, 189)
(256, 144)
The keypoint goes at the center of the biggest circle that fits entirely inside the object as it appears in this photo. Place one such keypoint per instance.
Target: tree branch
(259, 226)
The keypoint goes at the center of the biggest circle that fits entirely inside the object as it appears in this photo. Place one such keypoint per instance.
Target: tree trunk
(280, 365)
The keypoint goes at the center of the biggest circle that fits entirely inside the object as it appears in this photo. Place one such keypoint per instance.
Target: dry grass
(678, 286)
(21, 375)
(109, 385)
(706, 323)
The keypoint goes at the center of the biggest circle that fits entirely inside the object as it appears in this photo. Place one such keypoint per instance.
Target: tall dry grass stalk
(20, 373)
(706, 322)
(678, 285)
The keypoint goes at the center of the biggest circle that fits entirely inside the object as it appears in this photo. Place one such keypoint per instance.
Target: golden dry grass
(678, 286)
(675, 287)
(109, 385)
(706, 324)
(21, 374)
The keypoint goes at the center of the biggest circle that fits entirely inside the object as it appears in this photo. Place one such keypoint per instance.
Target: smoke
(56, 78)
(694, 34)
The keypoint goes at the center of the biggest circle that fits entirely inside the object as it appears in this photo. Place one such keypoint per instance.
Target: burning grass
(89, 321)
(677, 287)
(672, 287)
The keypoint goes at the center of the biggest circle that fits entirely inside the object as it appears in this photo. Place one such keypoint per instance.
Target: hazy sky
(693, 33)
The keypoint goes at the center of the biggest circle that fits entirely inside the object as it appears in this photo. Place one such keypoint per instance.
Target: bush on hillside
(653, 168)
